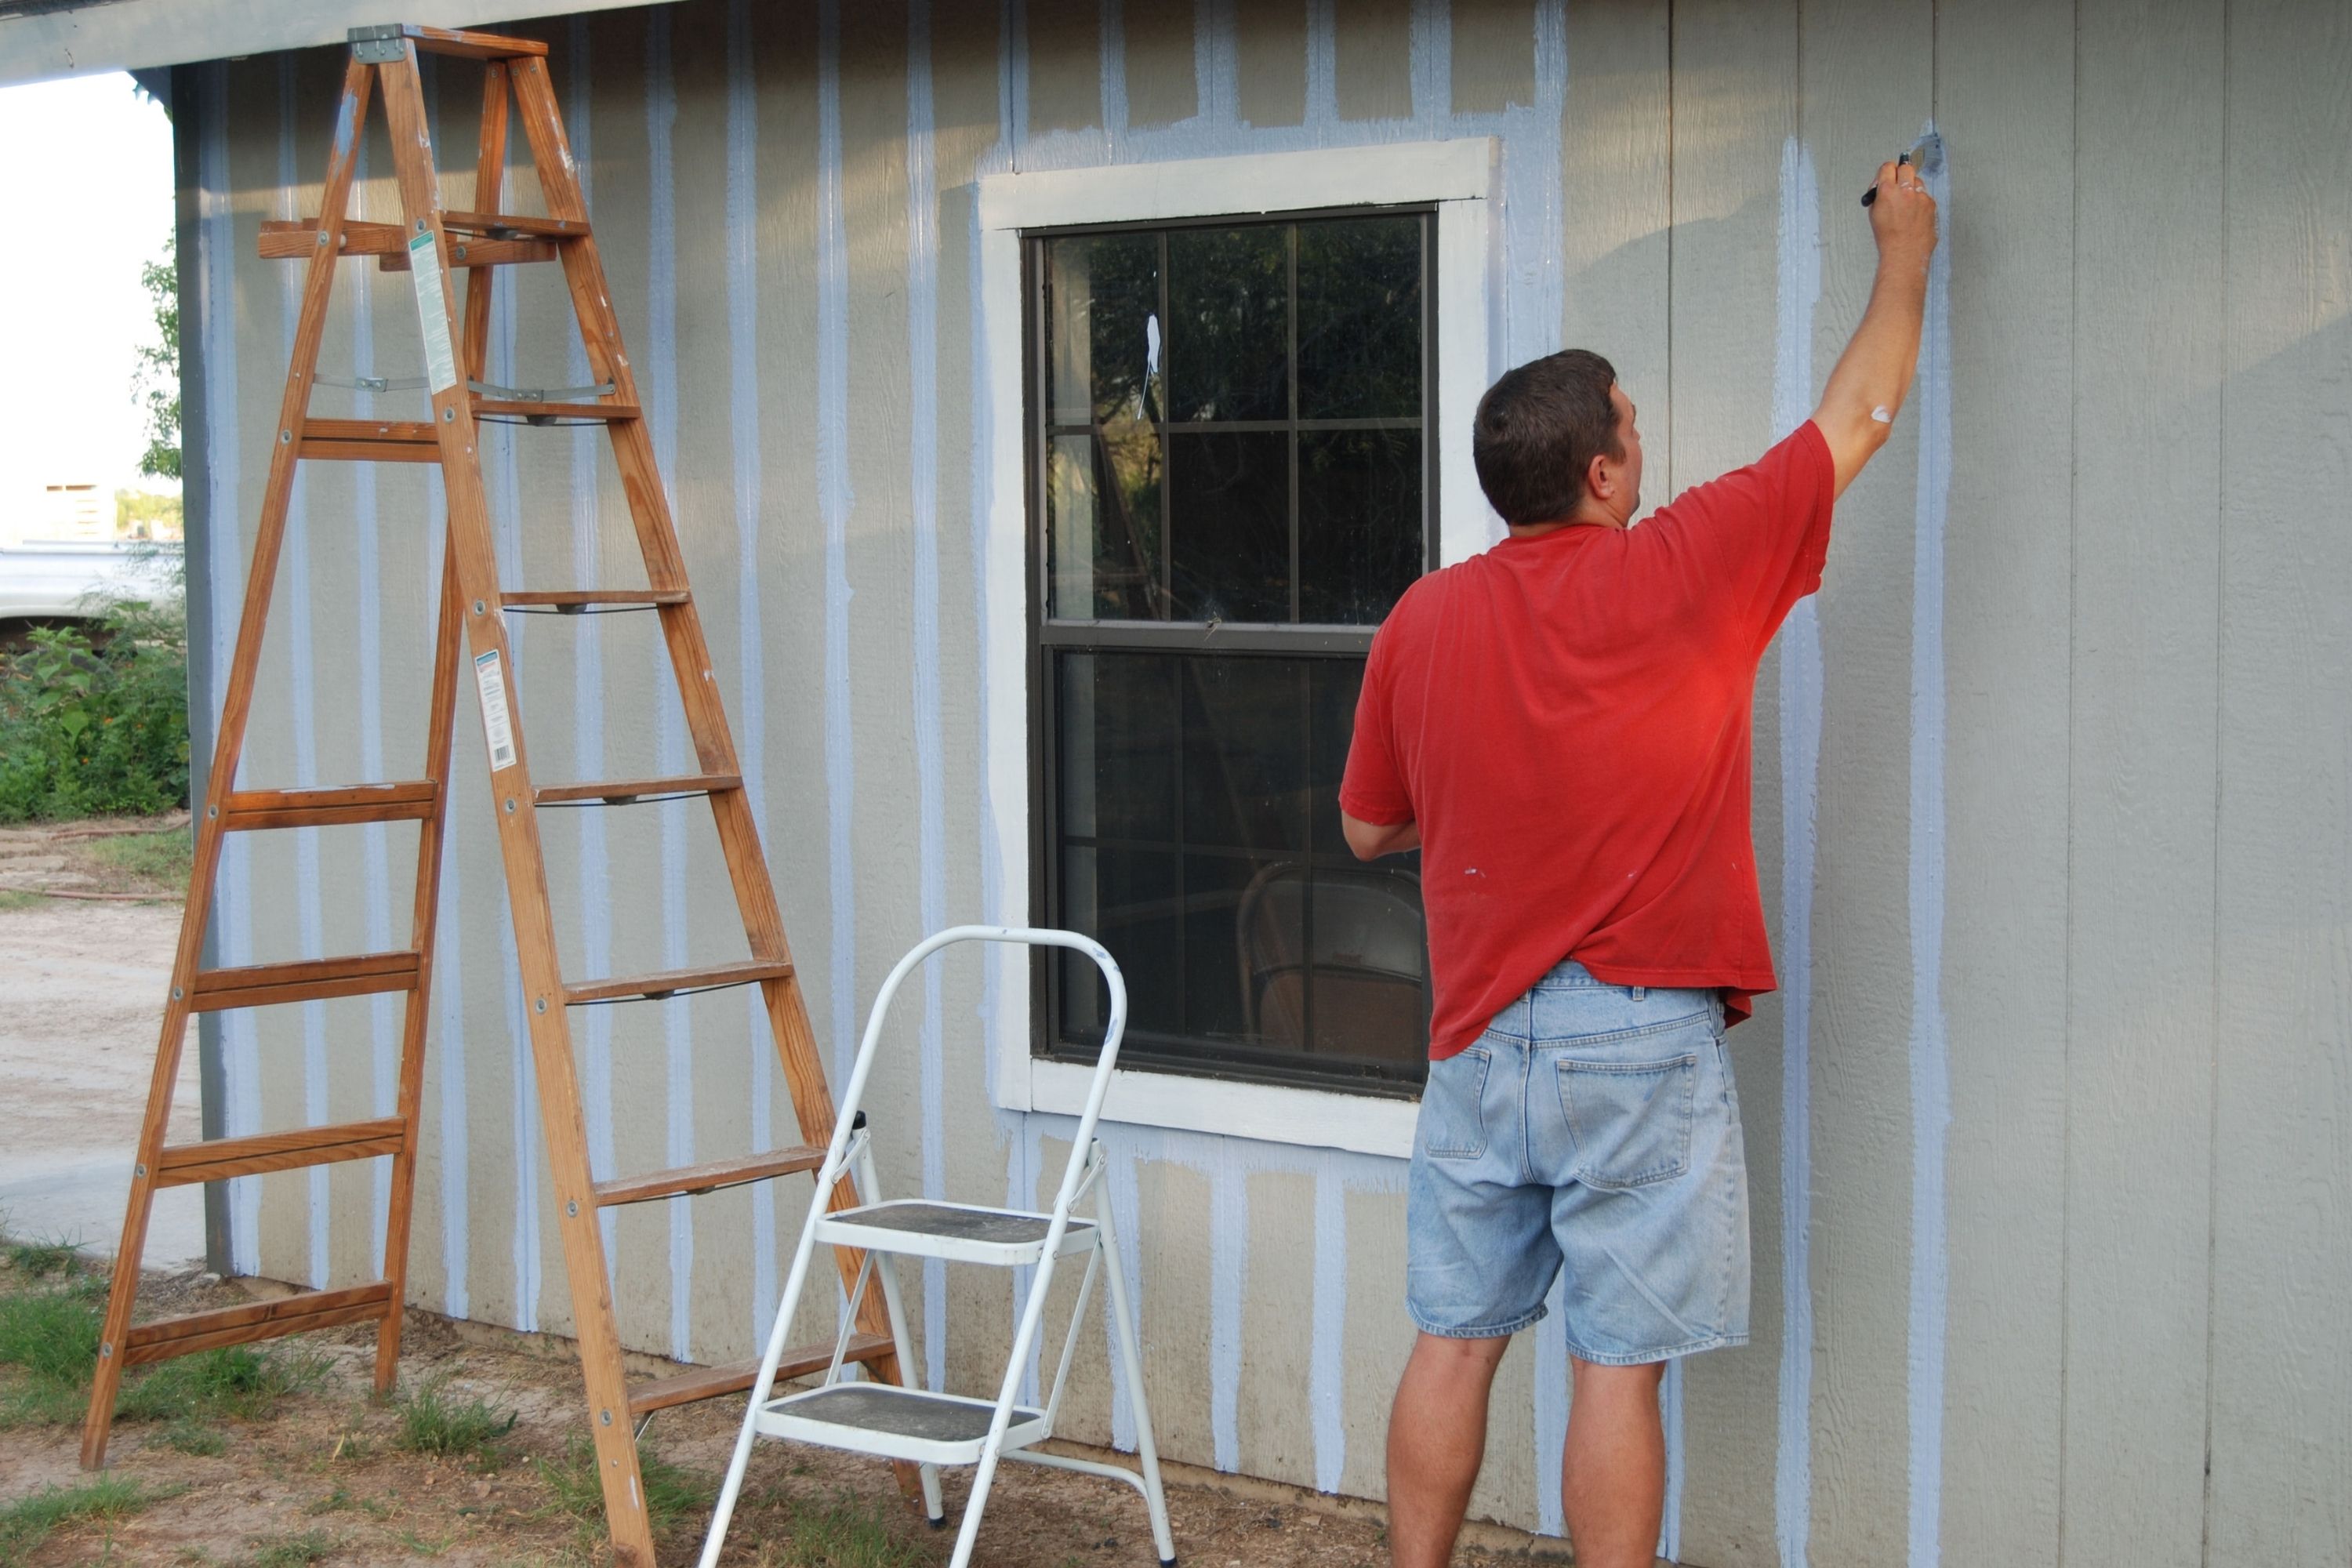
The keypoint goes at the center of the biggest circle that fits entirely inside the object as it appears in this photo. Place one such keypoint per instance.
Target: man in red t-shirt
(1560, 725)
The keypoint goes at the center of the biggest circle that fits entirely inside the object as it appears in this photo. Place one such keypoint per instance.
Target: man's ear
(1596, 476)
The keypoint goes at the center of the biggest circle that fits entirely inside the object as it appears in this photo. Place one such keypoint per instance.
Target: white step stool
(914, 1423)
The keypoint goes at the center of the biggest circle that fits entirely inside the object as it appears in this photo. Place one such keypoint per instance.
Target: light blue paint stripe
(923, 496)
(1931, 1089)
(294, 593)
(588, 697)
(1552, 1379)
(383, 1011)
(1799, 288)
(661, 423)
(1228, 1285)
(1322, 115)
(1326, 1348)
(1670, 1415)
(743, 387)
(1111, 48)
(834, 503)
(233, 908)
(449, 983)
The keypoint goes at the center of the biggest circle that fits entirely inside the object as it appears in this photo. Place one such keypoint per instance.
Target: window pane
(1246, 931)
(1118, 746)
(1229, 307)
(1359, 319)
(1102, 304)
(1360, 530)
(1229, 526)
(1102, 518)
(1246, 753)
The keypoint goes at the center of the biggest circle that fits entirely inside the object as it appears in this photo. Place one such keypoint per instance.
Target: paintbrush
(1928, 155)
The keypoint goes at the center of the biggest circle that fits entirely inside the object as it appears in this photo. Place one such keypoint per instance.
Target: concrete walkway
(81, 990)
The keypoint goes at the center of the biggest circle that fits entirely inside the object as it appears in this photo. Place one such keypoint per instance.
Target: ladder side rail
(425, 929)
(515, 812)
(490, 174)
(690, 663)
(228, 746)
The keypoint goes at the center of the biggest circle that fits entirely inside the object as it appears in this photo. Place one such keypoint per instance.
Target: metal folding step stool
(914, 1423)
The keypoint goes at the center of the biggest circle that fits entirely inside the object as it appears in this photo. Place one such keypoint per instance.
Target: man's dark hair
(1538, 430)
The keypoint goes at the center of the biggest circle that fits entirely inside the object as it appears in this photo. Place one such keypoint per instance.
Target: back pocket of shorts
(1453, 1122)
(1631, 1120)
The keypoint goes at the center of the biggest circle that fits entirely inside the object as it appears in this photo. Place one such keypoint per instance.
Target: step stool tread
(1010, 1227)
(900, 1412)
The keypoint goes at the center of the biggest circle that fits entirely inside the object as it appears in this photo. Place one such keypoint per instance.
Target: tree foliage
(155, 383)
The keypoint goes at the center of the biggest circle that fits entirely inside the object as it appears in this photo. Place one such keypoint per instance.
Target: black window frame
(1046, 635)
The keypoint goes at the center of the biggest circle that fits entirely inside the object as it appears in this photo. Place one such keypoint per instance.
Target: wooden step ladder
(429, 242)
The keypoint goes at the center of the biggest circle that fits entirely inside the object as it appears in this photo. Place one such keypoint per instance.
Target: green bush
(89, 729)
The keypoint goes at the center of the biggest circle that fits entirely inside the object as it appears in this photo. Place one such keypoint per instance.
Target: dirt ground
(318, 1476)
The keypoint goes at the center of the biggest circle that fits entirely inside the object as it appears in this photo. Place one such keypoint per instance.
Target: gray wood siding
(2050, 1130)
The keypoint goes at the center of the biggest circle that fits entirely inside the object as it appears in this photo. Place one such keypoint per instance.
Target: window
(1232, 457)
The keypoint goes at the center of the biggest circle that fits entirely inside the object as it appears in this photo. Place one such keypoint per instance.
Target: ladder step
(670, 982)
(628, 792)
(330, 806)
(369, 441)
(691, 1179)
(503, 224)
(295, 240)
(961, 1233)
(717, 1382)
(449, 41)
(572, 600)
(263, 1320)
(307, 980)
(896, 1422)
(550, 413)
(182, 1164)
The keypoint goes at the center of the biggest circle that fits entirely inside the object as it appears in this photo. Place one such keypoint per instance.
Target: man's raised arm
(1874, 372)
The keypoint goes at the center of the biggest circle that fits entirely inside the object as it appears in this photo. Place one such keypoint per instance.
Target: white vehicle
(67, 580)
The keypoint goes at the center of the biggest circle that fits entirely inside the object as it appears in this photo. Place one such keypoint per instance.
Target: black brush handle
(1871, 195)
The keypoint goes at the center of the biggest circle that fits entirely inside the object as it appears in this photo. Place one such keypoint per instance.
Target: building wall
(2050, 1125)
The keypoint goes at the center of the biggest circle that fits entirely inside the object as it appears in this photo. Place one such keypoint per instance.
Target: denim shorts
(1595, 1127)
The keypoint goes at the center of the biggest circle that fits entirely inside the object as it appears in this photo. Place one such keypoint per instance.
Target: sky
(85, 199)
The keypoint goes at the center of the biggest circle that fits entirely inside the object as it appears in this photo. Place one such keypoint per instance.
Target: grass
(164, 859)
(50, 1310)
(673, 1493)
(26, 1523)
(842, 1532)
(288, 1550)
(18, 898)
(432, 1421)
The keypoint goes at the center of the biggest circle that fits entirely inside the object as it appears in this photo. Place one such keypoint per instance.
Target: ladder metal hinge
(379, 45)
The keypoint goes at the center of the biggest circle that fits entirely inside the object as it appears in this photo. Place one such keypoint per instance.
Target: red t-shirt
(1567, 718)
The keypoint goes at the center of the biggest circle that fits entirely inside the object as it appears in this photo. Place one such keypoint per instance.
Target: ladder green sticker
(433, 313)
(497, 728)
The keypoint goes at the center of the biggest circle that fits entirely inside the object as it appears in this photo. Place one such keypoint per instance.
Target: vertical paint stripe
(923, 496)
(1228, 1285)
(1799, 286)
(744, 391)
(1552, 1377)
(375, 840)
(1322, 71)
(1431, 53)
(1111, 46)
(661, 423)
(294, 587)
(449, 983)
(1326, 1350)
(833, 502)
(595, 1024)
(233, 906)
(1931, 1090)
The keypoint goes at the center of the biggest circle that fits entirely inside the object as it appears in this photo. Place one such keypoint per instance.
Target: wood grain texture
(2005, 77)
(1865, 71)
(1373, 44)
(1493, 55)
(1162, 87)
(2140, 1057)
(1733, 106)
(2280, 1398)
(1065, 46)
(1270, 45)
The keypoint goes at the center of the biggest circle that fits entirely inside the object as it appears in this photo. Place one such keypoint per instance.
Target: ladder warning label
(497, 728)
(433, 311)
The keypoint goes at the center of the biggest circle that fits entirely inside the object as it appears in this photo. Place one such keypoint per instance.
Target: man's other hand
(1371, 840)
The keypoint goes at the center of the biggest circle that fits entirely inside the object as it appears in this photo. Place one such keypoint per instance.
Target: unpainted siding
(2050, 1126)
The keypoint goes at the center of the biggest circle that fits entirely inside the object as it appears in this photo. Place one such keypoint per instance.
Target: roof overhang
(42, 39)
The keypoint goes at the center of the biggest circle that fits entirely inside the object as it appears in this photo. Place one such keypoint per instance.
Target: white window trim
(1459, 178)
